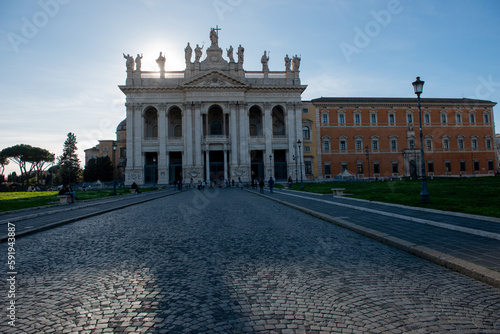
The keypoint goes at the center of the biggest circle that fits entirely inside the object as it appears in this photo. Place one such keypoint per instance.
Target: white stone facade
(212, 121)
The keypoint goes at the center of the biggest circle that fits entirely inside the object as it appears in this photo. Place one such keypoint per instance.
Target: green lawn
(22, 200)
(480, 195)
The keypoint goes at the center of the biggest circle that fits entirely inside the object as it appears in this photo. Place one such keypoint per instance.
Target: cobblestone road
(233, 262)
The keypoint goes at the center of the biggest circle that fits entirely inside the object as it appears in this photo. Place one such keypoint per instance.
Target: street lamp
(114, 168)
(418, 86)
(299, 143)
(295, 158)
(270, 166)
(154, 172)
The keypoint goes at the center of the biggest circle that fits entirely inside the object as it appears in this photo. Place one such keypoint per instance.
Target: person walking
(261, 185)
(271, 184)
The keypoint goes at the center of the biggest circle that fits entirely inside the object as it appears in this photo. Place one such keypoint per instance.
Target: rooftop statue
(296, 63)
(240, 52)
(161, 62)
(264, 60)
(129, 63)
(214, 37)
(288, 62)
(138, 62)
(188, 53)
(197, 53)
(230, 54)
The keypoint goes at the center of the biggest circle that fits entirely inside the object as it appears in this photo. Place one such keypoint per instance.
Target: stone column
(207, 164)
(268, 135)
(243, 145)
(225, 163)
(137, 126)
(188, 137)
(129, 169)
(233, 131)
(198, 132)
(162, 136)
(292, 136)
(298, 131)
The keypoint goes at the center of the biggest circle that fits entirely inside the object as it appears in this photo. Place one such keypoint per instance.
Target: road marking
(472, 231)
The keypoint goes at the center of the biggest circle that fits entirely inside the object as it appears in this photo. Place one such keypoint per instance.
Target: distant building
(379, 137)
(105, 149)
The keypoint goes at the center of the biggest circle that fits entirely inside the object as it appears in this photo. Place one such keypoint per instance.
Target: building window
(476, 166)
(328, 170)
(359, 145)
(409, 118)
(307, 148)
(376, 168)
(305, 110)
(391, 119)
(375, 144)
(428, 144)
(444, 118)
(343, 145)
(357, 119)
(488, 144)
(341, 119)
(306, 133)
(123, 152)
(343, 167)
(447, 167)
(395, 168)
(394, 144)
(486, 118)
(308, 167)
(490, 165)
(427, 118)
(474, 144)
(472, 118)
(430, 167)
(105, 148)
(325, 118)
(326, 145)
(462, 166)
(359, 168)
(460, 144)
(373, 118)
(446, 144)
(459, 118)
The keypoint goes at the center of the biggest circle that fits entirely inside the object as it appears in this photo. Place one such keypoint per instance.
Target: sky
(62, 60)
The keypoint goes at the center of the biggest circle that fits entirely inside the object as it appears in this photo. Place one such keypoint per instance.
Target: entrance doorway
(257, 164)
(280, 165)
(175, 167)
(151, 168)
(216, 165)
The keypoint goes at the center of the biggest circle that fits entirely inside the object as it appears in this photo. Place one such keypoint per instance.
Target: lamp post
(368, 159)
(154, 172)
(296, 170)
(270, 166)
(114, 168)
(418, 86)
(299, 143)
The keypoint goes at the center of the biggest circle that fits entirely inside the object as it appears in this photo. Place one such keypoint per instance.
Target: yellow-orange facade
(379, 137)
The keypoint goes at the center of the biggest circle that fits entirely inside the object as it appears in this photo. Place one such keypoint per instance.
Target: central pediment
(214, 79)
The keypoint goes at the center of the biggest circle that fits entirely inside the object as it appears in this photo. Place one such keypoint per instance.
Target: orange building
(379, 137)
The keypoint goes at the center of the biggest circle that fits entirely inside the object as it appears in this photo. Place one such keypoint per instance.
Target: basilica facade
(214, 120)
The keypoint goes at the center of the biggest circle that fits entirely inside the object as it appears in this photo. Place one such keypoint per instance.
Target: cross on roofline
(217, 30)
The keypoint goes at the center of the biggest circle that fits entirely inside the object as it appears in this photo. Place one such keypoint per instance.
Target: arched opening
(175, 123)
(255, 121)
(215, 121)
(151, 123)
(278, 116)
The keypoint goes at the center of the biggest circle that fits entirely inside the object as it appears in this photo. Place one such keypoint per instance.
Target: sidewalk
(33, 220)
(468, 244)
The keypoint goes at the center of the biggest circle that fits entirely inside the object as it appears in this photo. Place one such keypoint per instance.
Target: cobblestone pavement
(232, 262)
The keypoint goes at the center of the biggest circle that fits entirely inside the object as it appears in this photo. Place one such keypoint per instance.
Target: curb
(466, 268)
(73, 219)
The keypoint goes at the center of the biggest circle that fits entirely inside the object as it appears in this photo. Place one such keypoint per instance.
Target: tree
(99, 168)
(28, 158)
(4, 161)
(69, 162)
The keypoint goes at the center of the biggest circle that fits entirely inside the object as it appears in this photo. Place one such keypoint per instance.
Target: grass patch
(479, 195)
(22, 200)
